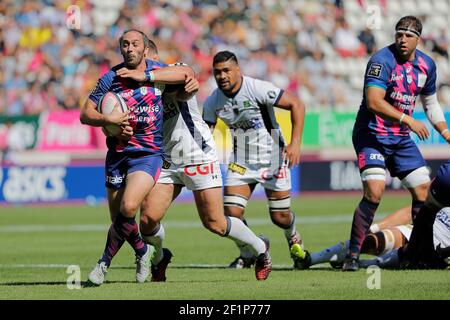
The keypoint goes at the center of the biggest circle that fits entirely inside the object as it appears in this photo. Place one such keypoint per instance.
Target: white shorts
(405, 230)
(278, 179)
(194, 177)
(441, 229)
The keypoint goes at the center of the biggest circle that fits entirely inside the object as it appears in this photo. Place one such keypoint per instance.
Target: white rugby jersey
(187, 138)
(257, 138)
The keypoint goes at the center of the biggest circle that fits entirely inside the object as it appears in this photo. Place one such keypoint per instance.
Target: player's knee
(147, 225)
(373, 173)
(374, 183)
(282, 219)
(379, 243)
(234, 205)
(418, 179)
(215, 226)
(129, 208)
(280, 213)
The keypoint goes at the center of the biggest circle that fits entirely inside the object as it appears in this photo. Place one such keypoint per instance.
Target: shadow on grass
(84, 284)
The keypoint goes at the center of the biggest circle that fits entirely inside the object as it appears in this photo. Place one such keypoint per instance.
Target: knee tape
(416, 178)
(283, 204)
(374, 173)
(235, 200)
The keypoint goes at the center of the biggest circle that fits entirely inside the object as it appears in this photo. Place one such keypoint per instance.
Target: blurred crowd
(49, 61)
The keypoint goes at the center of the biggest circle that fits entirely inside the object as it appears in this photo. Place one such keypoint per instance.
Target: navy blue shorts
(118, 165)
(440, 187)
(398, 154)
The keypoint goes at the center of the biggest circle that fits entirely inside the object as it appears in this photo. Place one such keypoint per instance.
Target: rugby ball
(108, 103)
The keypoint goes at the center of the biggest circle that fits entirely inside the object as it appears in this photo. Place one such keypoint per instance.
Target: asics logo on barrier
(203, 170)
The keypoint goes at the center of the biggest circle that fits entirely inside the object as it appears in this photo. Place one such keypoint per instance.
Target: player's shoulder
(256, 86)
(385, 55)
(212, 101)
(424, 58)
(153, 64)
(253, 82)
(111, 73)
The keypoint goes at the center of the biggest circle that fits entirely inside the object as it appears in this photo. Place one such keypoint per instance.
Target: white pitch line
(308, 220)
(173, 266)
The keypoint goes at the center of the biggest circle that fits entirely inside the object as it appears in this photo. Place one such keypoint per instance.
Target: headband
(410, 31)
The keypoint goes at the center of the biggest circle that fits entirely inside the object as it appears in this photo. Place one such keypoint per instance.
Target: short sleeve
(102, 87)
(430, 84)
(377, 73)
(266, 93)
(209, 111)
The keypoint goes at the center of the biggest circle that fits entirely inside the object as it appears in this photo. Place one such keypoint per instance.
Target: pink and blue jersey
(146, 110)
(403, 82)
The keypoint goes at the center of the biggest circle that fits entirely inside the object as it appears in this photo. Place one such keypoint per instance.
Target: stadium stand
(46, 66)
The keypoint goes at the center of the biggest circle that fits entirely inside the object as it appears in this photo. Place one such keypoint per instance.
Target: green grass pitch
(38, 243)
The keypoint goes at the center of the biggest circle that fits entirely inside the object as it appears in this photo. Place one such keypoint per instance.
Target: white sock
(325, 255)
(291, 230)
(240, 232)
(156, 239)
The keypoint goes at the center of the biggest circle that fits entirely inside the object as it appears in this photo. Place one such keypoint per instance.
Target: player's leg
(137, 178)
(115, 172)
(235, 200)
(371, 163)
(399, 217)
(210, 210)
(373, 186)
(410, 167)
(377, 243)
(153, 209)
(417, 182)
(283, 217)
(384, 241)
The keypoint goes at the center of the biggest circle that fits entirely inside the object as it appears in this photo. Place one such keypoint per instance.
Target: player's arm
(188, 90)
(209, 114)
(435, 115)
(397, 218)
(297, 107)
(166, 75)
(90, 116)
(378, 105)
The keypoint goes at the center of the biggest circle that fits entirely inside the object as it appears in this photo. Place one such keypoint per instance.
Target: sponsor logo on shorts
(114, 179)
(376, 156)
(166, 165)
(280, 173)
(202, 169)
(237, 168)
